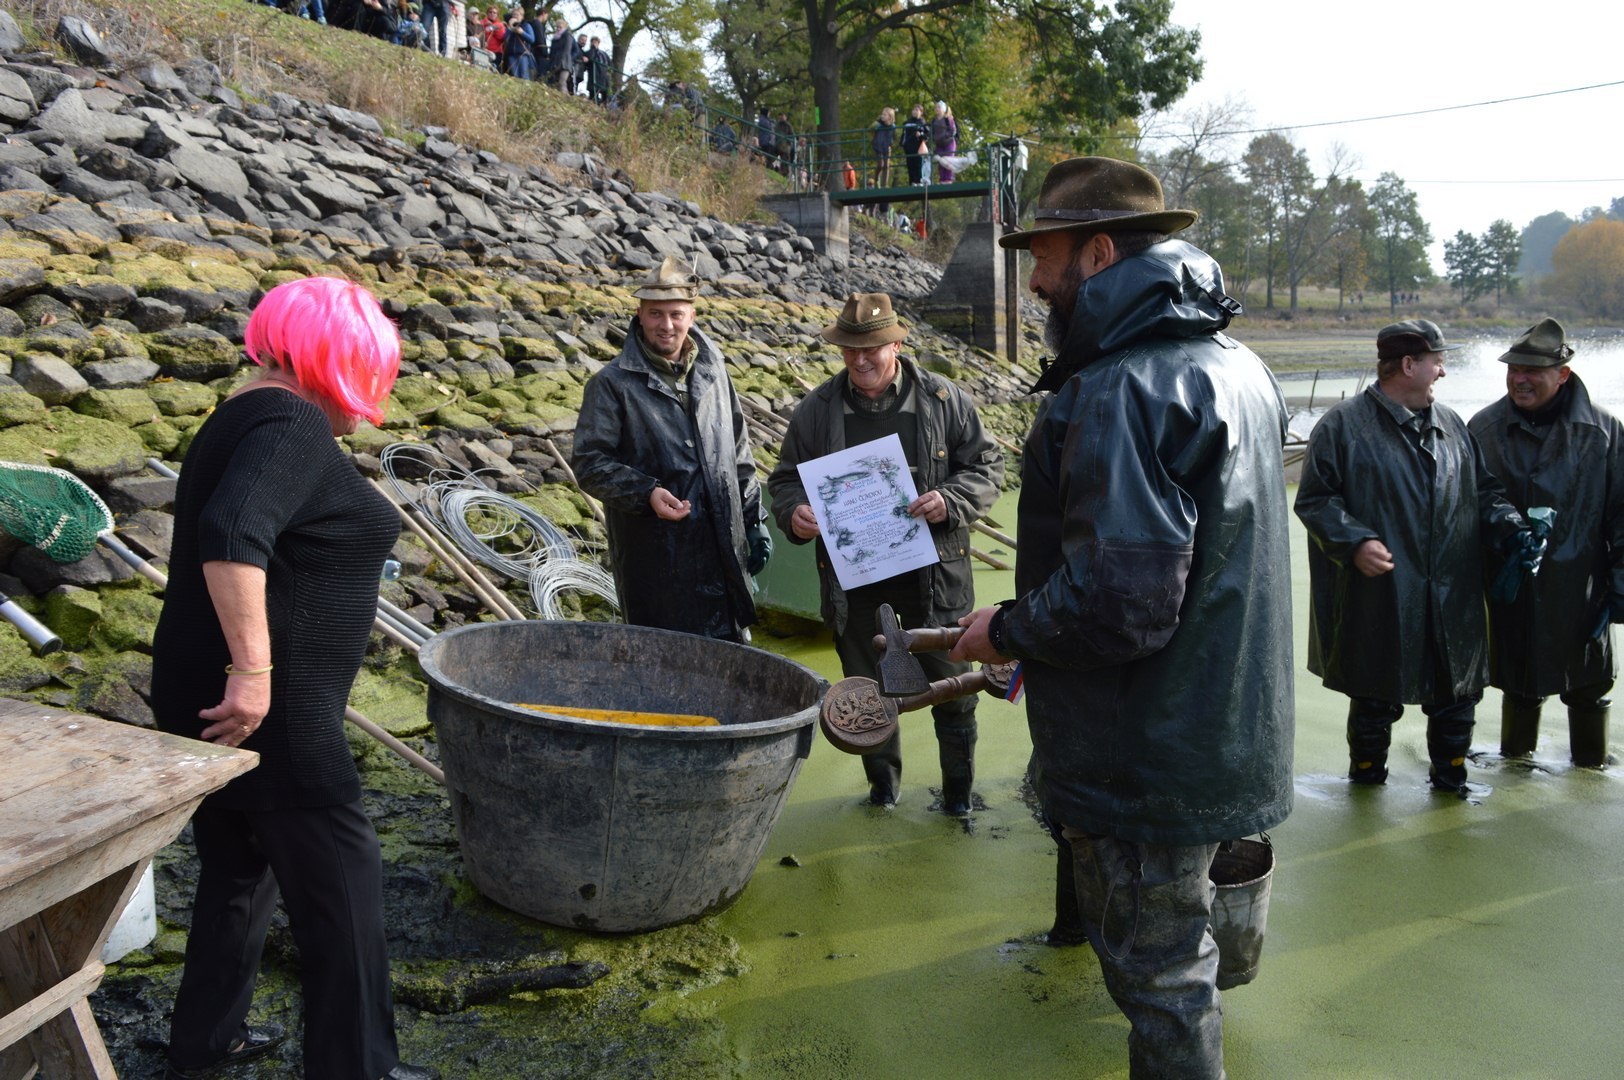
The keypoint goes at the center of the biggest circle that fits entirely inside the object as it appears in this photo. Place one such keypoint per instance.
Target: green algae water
(1410, 935)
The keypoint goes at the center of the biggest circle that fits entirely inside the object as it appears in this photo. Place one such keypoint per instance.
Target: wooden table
(84, 805)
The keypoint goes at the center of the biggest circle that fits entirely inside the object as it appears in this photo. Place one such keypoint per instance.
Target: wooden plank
(52, 883)
(103, 776)
(70, 1047)
(59, 998)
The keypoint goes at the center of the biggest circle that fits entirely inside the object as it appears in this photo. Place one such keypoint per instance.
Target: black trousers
(328, 866)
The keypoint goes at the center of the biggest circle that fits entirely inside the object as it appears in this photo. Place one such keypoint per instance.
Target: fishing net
(51, 509)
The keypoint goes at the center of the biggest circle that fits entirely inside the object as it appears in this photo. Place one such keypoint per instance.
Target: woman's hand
(247, 700)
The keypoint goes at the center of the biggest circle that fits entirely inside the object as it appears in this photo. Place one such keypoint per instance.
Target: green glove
(761, 547)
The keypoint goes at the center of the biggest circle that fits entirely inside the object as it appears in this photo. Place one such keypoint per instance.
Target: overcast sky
(1297, 63)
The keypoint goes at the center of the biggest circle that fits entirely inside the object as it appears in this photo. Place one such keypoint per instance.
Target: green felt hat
(1543, 345)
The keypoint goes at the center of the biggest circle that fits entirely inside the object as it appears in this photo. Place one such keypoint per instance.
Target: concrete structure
(970, 302)
(826, 223)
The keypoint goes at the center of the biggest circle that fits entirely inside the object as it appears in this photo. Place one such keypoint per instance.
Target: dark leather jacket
(634, 435)
(1541, 643)
(953, 455)
(1364, 478)
(1154, 619)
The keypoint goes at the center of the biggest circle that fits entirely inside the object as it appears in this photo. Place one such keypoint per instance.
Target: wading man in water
(957, 470)
(661, 442)
(1552, 446)
(1397, 498)
(1154, 622)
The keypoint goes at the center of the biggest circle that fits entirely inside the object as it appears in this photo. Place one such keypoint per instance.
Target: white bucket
(137, 926)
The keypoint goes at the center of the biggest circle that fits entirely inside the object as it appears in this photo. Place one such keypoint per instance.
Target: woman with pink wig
(273, 581)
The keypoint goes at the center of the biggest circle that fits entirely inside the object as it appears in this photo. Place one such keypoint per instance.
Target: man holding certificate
(846, 434)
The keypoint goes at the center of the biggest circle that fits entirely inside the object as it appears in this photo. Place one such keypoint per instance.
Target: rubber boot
(883, 768)
(1519, 725)
(1370, 732)
(1449, 740)
(1587, 736)
(1068, 916)
(957, 751)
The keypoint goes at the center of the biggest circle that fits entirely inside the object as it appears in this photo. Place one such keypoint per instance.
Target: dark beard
(1054, 330)
(1061, 305)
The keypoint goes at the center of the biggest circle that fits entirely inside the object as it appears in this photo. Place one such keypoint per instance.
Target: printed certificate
(860, 496)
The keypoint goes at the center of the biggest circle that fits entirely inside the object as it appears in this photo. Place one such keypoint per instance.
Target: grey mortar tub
(603, 826)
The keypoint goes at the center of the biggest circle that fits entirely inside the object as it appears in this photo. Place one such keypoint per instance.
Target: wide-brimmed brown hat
(673, 279)
(1099, 194)
(866, 321)
(1544, 344)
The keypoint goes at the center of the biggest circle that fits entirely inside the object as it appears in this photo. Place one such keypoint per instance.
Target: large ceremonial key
(856, 718)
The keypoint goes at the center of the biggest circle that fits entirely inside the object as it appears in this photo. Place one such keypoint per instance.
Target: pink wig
(333, 338)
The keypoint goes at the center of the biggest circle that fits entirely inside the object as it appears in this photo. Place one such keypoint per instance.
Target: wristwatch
(995, 628)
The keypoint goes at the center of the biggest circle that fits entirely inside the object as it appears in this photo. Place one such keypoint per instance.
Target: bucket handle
(1135, 875)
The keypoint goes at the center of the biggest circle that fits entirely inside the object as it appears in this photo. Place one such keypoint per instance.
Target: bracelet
(248, 671)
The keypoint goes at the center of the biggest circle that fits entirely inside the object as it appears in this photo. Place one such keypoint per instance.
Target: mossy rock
(21, 407)
(147, 273)
(455, 416)
(129, 616)
(14, 246)
(515, 349)
(221, 275)
(553, 414)
(180, 398)
(506, 400)
(113, 343)
(270, 279)
(89, 447)
(20, 669)
(367, 439)
(129, 407)
(194, 353)
(560, 504)
(419, 395)
(159, 436)
(73, 613)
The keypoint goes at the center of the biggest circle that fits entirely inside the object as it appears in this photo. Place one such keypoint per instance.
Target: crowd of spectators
(527, 44)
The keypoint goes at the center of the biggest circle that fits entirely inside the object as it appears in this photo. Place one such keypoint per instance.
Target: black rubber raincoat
(1541, 644)
(1364, 479)
(634, 435)
(953, 455)
(1155, 613)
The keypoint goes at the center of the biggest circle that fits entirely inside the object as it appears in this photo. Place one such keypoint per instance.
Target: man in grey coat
(1153, 621)
(1398, 502)
(661, 441)
(1552, 446)
(957, 471)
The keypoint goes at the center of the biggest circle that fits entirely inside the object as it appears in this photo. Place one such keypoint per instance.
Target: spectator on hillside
(436, 22)
(766, 134)
(409, 29)
(578, 73)
(456, 30)
(518, 47)
(597, 72)
(944, 139)
(885, 134)
(787, 142)
(915, 134)
(562, 55)
(493, 29)
(722, 137)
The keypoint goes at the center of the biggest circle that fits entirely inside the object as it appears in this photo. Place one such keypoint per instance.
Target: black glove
(761, 547)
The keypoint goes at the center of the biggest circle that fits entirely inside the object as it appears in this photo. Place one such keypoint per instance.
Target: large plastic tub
(616, 827)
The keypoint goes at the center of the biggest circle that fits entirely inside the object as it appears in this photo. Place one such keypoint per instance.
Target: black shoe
(412, 1072)
(1370, 776)
(254, 1042)
(882, 795)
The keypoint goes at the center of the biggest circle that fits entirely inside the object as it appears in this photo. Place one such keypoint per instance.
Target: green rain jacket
(1541, 643)
(1154, 619)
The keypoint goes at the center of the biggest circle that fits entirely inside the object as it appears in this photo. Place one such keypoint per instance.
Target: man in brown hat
(661, 442)
(1552, 446)
(1398, 503)
(957, 470)
(1153, 624)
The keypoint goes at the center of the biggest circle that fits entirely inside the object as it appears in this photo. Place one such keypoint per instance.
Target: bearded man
(661, 442)
(1154, 620)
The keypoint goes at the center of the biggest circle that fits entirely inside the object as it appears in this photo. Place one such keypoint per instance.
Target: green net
(51, 509)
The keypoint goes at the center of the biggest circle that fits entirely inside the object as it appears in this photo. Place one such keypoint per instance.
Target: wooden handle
(927, 639)
(954, 686)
